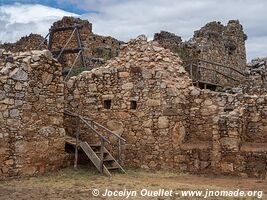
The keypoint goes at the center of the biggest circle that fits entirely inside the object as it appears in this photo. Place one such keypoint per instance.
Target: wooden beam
(79, 44)
(54, 30)
(50, 40)
(77, 142)
(219, 73)
(66, 51)
(102, 155)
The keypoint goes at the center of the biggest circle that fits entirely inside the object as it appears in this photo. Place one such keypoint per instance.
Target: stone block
(163, 122)
(19, 74)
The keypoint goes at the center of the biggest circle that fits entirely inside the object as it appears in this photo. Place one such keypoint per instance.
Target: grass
(78, 184)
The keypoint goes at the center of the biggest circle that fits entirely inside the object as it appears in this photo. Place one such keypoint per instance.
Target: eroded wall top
(26, 43)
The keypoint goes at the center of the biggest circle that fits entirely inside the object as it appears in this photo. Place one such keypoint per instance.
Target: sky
(126, 19)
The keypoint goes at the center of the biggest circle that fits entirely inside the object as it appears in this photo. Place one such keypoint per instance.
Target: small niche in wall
(107, 104)
(133, 105)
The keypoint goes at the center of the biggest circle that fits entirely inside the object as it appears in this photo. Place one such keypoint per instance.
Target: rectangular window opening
(107, 104)
(133, 105)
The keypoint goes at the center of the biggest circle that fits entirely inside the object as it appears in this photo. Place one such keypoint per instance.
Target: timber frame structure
(64, 50)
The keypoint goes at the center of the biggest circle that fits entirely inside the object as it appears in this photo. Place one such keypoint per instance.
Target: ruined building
(167, 122)
(26, 43)
(96, 49)
(214, 57)
(32, 135)
(139, 109)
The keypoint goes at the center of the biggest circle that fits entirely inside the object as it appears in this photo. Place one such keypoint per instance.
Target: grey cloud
(126, 19)
(22, 19)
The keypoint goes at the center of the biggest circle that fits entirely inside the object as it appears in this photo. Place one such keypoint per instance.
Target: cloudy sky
(125, 19)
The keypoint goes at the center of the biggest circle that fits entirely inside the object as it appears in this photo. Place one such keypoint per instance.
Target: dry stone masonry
(215, 43)
(141, 95)
(146, 95)
(26, 43)
(97, 49)
(31, 117)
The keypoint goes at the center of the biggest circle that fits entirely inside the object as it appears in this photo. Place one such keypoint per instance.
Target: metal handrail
(219, 73)
(221, 65)
(103, 138)
(97, 124)
(95, 131)
(196, 64)
(83, 120)
(109, 131)
(214, 63)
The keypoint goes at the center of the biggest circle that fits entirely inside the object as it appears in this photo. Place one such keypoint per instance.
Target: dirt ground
(80, 184)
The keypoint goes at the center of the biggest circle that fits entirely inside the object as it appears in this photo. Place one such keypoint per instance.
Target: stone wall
(146, 96)
(169, 40)
(257, 70)
(31, 117)
(95, 46)
(223, 44)
(140, 95)
(227, 134)
(26, 43)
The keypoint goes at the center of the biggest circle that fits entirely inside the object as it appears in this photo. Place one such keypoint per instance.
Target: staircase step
(98, 152)
(108, 159)
(94, 151)
(95, 145)
(113, 168)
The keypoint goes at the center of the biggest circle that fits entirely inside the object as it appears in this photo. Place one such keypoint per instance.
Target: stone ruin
(97, 49)
(213, 46)
(257, 69)
(167, 122)
(27, 43)
(144, 94)
(31, 118)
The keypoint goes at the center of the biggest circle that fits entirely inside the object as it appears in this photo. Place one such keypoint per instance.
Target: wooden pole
(191, 71)
(119, 151)
(102, 155)
(79, 44)
(50, 42)
(77, 142)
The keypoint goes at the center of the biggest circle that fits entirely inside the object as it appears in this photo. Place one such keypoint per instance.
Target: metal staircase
(97, 153)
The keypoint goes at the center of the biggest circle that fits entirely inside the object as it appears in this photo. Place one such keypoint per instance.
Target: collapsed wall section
(223, 44)
(211, 48)
(31, 104)
(26, 43)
